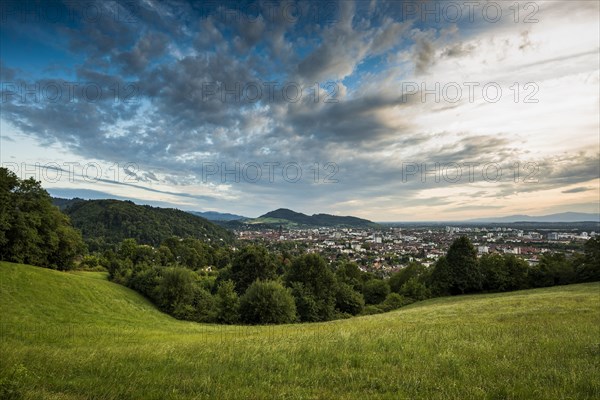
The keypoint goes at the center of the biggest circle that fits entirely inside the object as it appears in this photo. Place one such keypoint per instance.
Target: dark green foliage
(415, 290)
(439, 279)
(553, 269)
(348, 300)
(398, 279)
(372, 309)
(588, 268)
(32, 230)
(463, 270)
(146, 281)
(228, 303)
(394, 301)
(375, 291)
(267, 302)
(105, 223)
(517, 269)
(175, 288)
(312, 272)
(494, 273)
(306, 304)
(249, 264)
(350, 274)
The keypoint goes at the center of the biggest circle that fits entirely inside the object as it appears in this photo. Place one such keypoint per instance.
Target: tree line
(253, 285)
(214, 282)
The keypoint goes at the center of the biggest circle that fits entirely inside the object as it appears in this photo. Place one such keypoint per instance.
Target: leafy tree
(588, 270)
(228, 303)
(375, 291)
(463, 270)
(313, 273)
(399, 278)
(517, 269)
(415, 290)
(494, 272)
(32, 230)
(267, 302)
(439, 279)
(348, 300)
(249, 264)
(553, 269)
(306, 304)
(175, 288)
(394, 301)
(349, 273)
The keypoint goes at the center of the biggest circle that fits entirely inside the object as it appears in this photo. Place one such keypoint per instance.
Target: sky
(385, 110)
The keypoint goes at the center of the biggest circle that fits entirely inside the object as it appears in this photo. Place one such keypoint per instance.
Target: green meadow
(78, 336)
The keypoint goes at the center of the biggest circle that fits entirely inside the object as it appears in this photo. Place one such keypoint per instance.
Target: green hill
(108, 222)
(78, 336)
(293, 219)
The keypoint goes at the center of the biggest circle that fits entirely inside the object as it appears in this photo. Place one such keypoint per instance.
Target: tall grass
(79, 336)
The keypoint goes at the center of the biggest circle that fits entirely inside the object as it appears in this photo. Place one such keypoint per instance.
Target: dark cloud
(578, 190)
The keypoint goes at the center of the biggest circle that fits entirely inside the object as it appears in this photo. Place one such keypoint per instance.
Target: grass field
(79, 336)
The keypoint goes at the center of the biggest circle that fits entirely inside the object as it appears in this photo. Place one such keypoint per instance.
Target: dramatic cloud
(381, 109)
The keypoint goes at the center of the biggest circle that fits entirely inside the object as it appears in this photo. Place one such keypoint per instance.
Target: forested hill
(108, 222)
(287, 217)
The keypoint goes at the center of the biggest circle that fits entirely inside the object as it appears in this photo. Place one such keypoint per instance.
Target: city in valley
(386, 250)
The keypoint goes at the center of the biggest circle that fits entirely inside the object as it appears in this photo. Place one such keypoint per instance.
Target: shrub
(348, 300)
(415, 290)
(394, 301)
(267, 302)
(375, 291)
(371, 309)
(228, 303)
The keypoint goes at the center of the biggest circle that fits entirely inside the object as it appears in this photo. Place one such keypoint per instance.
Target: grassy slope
(80, 337)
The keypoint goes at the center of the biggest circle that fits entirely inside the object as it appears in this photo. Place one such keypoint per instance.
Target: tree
(306, 304)
(589, 269)
(463, 267)
(317, 279)
(517, 272)
(249, 264)
(439, 280)
(375, 291)
(32, 230)
(350, 274)
(415, 290)
(175, 288)
(348, 300)
(414, 269)
(267, 302)
(394, 301)
(228, 303)
(494, 273)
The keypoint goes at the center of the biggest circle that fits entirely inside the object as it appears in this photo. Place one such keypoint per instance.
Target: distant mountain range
(292, 219)
(217, 216)
(560, 217)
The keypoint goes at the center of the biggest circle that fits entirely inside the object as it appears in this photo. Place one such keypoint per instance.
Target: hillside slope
(289, 218)
(79, 336)
(110, 221)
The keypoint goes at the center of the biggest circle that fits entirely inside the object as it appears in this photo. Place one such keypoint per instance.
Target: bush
(175, 289)
(394, 301)
(375, 291)
(371, 309)
(415, 290)
(267, 302)
(228, 303)
(347, 300)
(306, 304)
(313, 272)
